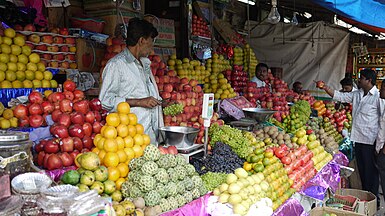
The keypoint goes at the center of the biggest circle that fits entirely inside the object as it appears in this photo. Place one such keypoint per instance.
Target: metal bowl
(179, 136)
(259, 114)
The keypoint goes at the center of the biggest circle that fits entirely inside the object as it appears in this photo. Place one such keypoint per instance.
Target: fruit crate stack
(57, 49)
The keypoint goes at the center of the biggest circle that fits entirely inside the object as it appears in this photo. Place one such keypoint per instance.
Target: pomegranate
(20, 111)
(78, 143)
(35, 97)
(65, 106)
(56, 115)
(56, 97)
(64, 120)
(81, 106)
(66, 159)
(95, 104)
(47, 107)
(35, 109)
(54, 162)
(90, 117)
(51, 147)
(69, 95)
(60, 131)
(96, 127)
(87, 128)
(79, 95)
(87, 142)
(77, 118)
(36, 120)
(76, 131)
(69, 85)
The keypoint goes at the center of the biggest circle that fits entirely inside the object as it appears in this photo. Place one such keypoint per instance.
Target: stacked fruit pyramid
(119, 141)
(19, 67)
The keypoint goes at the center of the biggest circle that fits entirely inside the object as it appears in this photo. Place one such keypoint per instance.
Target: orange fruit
(123, 169)
(133, 118)
(122, 156)
(111, 159)
(100, 144)
(146, 139)
(139, 129)
(128, 142)
(113, 119)
(124, 119)
(130, 153)
(110, 132)
(138, 139)
(131, 130)
(113, 173)
(247, 166)
(97, 138)
(137, 150)
(123, 108)
(96, 150)
(110, 145)
(120, 142)
(102, 154)
(119, 183)
(122, 130)
(102, 129)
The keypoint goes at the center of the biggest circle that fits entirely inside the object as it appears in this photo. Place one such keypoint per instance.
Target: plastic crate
(347, 203)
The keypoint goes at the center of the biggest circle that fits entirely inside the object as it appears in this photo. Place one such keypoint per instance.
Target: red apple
(95, 105)
(35, 109)
(87, 142)
(87, 128)
(76, 131)
(81, 106)
(66, 159)
(65, 106)
(77, 118)
(54, 162)
(20, 111)
(78, 143)
(67, 144)
(65, 120)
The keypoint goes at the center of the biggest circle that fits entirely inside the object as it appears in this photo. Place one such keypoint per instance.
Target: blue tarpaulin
(369, 12)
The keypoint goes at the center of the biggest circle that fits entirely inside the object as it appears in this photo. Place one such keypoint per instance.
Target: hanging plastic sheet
(290, 207)
(7, 94)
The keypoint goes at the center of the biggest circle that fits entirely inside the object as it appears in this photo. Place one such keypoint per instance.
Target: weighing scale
(198, 151)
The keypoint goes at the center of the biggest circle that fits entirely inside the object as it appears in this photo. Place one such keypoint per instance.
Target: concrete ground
(381, 211)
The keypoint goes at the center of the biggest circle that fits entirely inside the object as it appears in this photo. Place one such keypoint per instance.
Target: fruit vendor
(297, 87)
(261, 75)
(367, 109)
(127, 77)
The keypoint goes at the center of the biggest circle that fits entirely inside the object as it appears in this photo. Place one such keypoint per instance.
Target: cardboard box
(89, 54)
(320, 211)
(164, 52)
(367, 205)
(166, 30)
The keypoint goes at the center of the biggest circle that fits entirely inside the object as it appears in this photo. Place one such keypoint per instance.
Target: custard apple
(135, 192)
(151, 153)
(149, 168)
(188, 184)
(203, 190)
(161, 176)
(152, 198)
(125, 188)
(180, 160)
(171, 189)
(146, 183)
(180, 187)
(136, 163)
(180, 172)
(134, 175)
(190, 169)
(171, 160)
(163, 161)
(173, 202)
(172, 175)
(164, 205)
(188, 196)
(195, 193)
(180, 199)
(198, 183)
(161, 189)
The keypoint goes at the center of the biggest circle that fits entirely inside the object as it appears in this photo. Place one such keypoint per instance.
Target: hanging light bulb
(274, 16)
(294, 20)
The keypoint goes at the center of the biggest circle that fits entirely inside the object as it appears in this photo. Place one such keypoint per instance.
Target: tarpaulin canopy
(369, 12)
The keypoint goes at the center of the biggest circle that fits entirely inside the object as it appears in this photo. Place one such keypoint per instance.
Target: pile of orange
(119, 141)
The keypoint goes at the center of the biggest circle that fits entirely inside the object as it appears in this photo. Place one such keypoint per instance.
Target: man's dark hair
(369, 74)
(346, 81)
(138, 28)
(383, 82)
(296, 84)
(261, 65)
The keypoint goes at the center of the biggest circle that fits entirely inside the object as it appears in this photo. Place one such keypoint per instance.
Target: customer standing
(367, 109)
(380, 150)
(127, 78)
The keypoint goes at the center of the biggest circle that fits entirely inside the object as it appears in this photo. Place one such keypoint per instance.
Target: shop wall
(292, 48)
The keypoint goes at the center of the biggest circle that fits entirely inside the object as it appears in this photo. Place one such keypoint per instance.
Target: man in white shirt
(127, 77)
(367, 109)
(261, 75)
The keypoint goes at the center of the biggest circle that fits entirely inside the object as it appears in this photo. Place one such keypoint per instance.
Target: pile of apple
(115, 45)
(339, 118)
(200, 27)
(183, 91)
(20, 67)
(76, 122)
(57, 49)
(238, 56)
(237, 78)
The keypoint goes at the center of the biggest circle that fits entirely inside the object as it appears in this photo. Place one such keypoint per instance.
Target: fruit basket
(178, 136)
(259, 114)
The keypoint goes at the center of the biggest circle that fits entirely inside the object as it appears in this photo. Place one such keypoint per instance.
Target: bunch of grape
(222, 160)
(231, 136)
(211, 180)
(173, 109)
